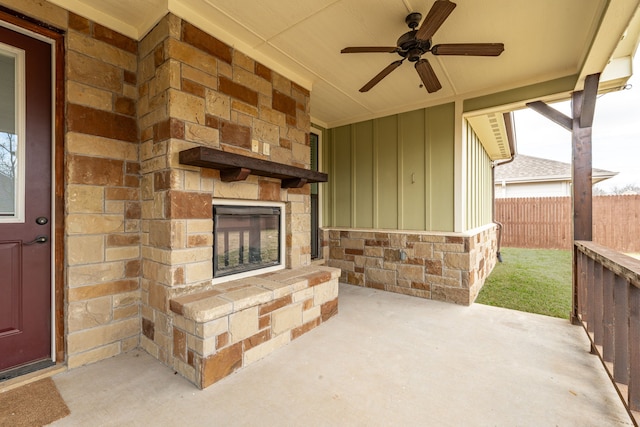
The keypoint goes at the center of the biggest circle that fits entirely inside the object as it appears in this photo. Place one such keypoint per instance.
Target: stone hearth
(219, 331)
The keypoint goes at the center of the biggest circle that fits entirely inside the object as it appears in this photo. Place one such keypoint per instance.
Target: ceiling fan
(416, 42)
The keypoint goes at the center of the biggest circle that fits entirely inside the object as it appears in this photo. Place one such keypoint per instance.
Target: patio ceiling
(545, 40)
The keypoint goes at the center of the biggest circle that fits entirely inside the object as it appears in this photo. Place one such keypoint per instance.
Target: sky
(616, 134)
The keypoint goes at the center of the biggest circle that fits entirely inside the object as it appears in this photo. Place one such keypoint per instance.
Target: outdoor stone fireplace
(219, 132)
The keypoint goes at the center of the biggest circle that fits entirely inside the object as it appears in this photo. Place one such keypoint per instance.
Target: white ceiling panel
(269, 18)
(302, 39)
(331, 105)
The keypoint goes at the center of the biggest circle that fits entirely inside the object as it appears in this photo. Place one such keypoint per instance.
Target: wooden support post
(581, 179)
(583, 106)
(581, 174)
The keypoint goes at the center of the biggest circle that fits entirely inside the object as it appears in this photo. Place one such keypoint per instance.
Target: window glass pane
(313, 138)
(245, 238)
(8, 137)
(9, 148)
(8, 169)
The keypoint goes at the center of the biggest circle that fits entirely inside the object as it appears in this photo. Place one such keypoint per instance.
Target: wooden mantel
(236, 167)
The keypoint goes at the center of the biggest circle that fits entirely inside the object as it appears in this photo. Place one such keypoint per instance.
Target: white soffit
(492, 133)
(619, 68)
(614, 45)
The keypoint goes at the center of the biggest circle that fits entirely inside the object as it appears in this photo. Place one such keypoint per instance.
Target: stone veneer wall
(448, 267)
(102, 193)
(195, 90)
(137, 224)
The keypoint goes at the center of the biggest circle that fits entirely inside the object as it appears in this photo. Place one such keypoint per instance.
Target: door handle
(39, 239)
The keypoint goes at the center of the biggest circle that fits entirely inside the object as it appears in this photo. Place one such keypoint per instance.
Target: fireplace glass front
(245, 238)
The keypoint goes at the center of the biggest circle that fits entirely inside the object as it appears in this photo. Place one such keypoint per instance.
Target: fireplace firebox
(247, 239)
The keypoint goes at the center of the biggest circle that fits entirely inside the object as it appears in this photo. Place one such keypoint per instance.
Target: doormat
(32, 405)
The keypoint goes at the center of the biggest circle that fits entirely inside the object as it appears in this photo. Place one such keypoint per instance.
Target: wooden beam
(589, 100)
(236, 167)
(581, 173)
(552, 114)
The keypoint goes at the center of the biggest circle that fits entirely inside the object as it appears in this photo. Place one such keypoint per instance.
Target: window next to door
(315, 210)
(11, 134)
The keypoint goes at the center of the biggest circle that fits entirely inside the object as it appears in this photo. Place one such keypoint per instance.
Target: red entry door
(25, 201)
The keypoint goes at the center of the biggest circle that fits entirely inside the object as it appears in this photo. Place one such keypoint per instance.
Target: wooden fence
(545, 222)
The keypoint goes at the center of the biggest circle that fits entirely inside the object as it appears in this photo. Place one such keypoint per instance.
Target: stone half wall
(449, 267)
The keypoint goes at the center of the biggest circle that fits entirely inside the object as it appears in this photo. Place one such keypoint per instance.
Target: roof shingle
(528, 168)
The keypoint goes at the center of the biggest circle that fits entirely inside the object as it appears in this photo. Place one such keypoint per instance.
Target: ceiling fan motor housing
(412, 48)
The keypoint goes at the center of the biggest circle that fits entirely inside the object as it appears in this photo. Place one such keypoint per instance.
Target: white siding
(536, 189)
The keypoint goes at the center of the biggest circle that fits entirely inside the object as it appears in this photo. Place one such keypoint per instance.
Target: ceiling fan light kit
(416, 42)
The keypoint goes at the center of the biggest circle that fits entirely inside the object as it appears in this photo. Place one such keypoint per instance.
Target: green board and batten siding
(479, 185)
(386, 156)
(396, 172)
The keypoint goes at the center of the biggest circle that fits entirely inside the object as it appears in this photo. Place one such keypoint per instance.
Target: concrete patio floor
(385, 359)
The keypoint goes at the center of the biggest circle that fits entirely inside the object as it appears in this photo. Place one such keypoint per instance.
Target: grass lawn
(531, 280)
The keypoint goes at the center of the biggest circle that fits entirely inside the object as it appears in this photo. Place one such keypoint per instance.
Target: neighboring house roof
(535, 169)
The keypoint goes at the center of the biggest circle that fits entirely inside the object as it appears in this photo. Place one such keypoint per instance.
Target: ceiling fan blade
(469, 49)
(369, 49)
(428, 76)
(439, 12)
(381, 75)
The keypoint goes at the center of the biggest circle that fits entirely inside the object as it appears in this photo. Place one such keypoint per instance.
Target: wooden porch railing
(607, 304)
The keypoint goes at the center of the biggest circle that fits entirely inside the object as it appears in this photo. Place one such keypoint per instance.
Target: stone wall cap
(467, 233)
(240, 294)
(203, 309)
(248, 297)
